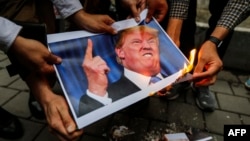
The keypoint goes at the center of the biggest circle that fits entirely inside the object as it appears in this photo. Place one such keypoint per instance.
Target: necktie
(161, 92)
(154, 79)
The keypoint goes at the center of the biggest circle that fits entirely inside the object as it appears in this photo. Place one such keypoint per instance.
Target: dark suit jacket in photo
(117, 90)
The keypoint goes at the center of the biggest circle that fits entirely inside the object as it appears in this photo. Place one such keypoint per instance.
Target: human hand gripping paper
(95, 69)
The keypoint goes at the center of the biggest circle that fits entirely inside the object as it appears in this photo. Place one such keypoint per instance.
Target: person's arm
(67, 8)
(178, 12)
(73, 10)
(30, 53)
(60, 121)
(93, 22)
(33, 55)
(234, 13)
(96, 71)
(209, 63)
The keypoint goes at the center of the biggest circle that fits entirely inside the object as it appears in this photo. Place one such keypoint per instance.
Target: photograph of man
(137, 50)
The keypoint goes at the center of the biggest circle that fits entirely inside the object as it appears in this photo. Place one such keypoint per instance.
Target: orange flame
(189, 68)
(186, 69)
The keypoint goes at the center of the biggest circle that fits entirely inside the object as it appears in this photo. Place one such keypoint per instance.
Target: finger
(109, 29)
(53, 59)
(104, 69)
(135, 13)
(205, 78)
(46, 68)
(142, 6)
(204, 82)
(89, 49)
(58, 123)
(58, 127)
(211, 72)
(54, 119)
(70, 137)
(67, 120)
(108, 21)
(149, 14)
(199, 67)
(100, 65)
(161, 16)
(197, 76)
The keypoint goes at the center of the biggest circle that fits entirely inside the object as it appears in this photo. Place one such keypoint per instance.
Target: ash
(158, 135)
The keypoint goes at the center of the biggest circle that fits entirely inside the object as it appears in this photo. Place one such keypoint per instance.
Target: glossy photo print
(101, 73)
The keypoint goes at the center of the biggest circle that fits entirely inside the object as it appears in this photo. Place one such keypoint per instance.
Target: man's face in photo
(140, 52)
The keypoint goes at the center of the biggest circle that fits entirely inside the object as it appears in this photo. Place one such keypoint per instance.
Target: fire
(191, 62)
(186, 69)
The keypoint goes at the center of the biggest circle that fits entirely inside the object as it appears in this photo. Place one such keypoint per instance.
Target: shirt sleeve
(234, 13)
(8, 33)
(105, 100)
(179, 9)
(67, 7)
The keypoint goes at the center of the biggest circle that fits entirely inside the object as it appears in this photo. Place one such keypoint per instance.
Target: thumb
(67, 120)
(46, 66)
(199, 67)
(71, 128)
(135, 13)
(149, 14)
(198, 70)
(53, 59)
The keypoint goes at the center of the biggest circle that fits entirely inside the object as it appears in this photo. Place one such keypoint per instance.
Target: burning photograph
(102, 73)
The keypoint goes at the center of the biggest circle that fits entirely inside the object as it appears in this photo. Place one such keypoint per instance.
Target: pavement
(233, 102)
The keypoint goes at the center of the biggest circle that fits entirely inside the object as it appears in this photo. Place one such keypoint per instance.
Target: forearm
(174, 29)
(234, 13)
(40, 87)
(178, 9)
(220, 32)
(67, 8)
(80, 15)
(178, 12)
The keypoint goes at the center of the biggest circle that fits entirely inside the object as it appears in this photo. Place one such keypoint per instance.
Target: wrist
(98, 91)
(80, 18)
(215, 41)
(77, 15)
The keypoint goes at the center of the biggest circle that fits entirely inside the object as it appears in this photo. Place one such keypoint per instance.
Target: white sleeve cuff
(67, 7)
(105, 100)
(8, 33)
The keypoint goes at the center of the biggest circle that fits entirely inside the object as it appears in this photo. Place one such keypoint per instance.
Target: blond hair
(143, 28)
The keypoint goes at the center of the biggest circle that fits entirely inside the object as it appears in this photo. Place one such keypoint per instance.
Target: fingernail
(115, 32)
(70, 128)
(137, 19)
(59, 59)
